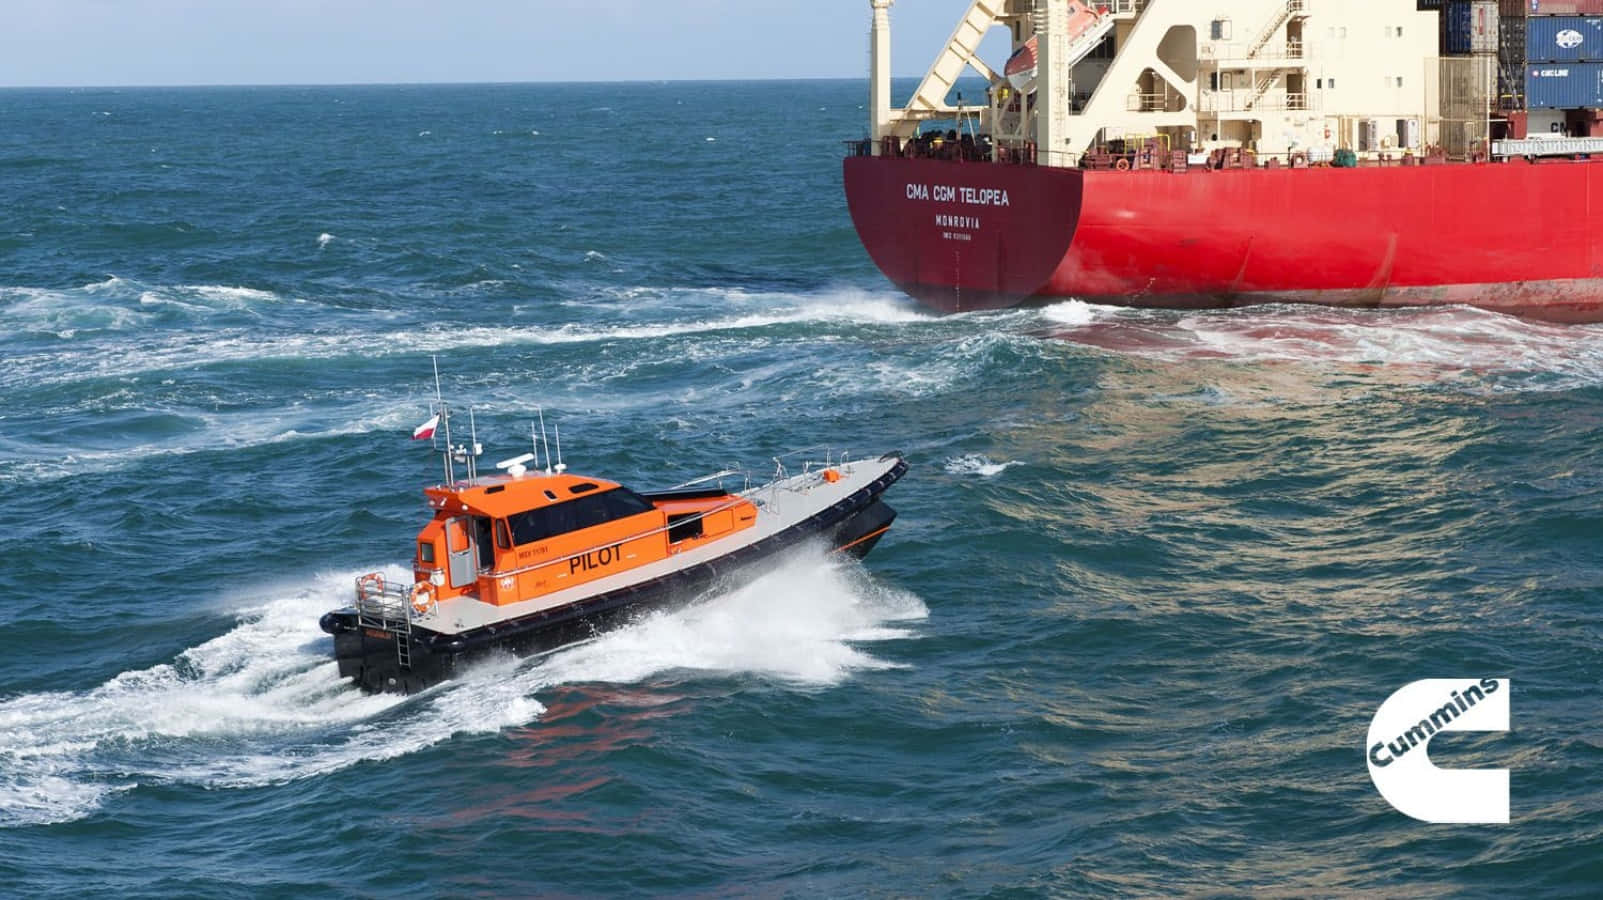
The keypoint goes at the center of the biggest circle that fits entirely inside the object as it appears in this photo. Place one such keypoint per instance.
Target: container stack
(1564, 60)
(1511, 55)
(1468, 82)
(1469, 28)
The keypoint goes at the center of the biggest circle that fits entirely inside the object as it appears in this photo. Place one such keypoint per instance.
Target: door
(459, 563)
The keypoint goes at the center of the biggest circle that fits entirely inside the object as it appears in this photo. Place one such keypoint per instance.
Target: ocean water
(1153, 575)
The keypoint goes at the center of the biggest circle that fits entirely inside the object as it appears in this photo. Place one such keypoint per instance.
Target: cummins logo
(1399, 738)
(1569, 39)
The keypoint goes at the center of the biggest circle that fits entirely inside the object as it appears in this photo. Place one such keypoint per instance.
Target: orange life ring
(422, 597)
(1122, 165)
(370, 584)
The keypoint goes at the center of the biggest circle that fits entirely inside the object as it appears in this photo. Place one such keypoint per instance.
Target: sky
(194, 42)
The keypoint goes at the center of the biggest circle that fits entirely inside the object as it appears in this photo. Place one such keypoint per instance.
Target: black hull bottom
(373, 659)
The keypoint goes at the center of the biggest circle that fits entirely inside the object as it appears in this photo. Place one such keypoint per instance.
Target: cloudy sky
(183, 42)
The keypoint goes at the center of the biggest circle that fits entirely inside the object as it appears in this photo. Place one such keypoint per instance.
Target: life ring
(370, 584)
(1122, 165)
(422, 597)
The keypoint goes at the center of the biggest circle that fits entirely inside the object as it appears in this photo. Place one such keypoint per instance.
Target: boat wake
(263, 704)
(1499, 351)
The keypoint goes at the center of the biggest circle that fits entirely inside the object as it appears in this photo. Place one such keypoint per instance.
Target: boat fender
(422, 597)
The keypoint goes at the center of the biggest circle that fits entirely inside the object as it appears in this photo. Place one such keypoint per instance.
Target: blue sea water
(1153, 575)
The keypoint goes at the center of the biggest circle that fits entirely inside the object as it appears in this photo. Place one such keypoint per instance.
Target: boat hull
(372, 659)
(1519, 238)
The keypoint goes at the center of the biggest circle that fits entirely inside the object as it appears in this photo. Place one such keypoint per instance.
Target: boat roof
(502, 495)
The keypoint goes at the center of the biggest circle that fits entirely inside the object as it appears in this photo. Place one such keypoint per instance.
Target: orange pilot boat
(530, 560)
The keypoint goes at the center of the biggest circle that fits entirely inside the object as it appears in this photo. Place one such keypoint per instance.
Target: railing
(1155, 101)
(386, 607)
(1247, 101)
(1222, 52)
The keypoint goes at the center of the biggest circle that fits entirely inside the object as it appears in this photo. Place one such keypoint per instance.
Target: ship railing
(1155, 101)
(385, 605)
(1126, 7)
(1218, 52)
(981, 150)
(1249, 101)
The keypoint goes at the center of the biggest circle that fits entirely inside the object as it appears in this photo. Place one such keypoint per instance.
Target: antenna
(476, 449)
(543, 440)
(558, 430)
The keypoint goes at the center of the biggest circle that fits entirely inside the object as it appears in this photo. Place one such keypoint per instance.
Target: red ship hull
(1518, 238)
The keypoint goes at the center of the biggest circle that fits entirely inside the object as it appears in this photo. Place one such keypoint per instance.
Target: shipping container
(1564, 8)
(1512, 9)
(1471, 27)
(1563, 39)
(1564, 85)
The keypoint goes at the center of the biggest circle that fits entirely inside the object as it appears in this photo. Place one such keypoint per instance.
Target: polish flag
(426, 430)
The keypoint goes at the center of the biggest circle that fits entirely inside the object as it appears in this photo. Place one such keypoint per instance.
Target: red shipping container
(1564, 7)
(1518, 125)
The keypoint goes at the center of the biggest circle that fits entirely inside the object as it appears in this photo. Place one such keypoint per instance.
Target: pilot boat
(527, 560)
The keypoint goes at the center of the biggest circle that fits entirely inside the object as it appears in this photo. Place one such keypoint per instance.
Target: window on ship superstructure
(582, 512)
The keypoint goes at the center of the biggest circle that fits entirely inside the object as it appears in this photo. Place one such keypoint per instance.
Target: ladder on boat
(387, 608)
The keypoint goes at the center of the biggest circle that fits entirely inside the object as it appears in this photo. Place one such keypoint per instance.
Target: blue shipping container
(1459, 21)
(1564, 85)
(1563, 38)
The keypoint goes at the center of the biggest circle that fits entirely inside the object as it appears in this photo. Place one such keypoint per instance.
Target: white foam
(978, 464)
(800, 622)
(263, 704)
(324, 239)
(1073, 312)
(1492, 351)
(230, 294)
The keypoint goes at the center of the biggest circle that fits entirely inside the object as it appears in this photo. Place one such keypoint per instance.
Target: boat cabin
(504, 539)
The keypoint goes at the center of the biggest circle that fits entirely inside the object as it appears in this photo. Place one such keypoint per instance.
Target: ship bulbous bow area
(961, 236)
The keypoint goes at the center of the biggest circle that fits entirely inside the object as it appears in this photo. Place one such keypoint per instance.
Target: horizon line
(335, 84)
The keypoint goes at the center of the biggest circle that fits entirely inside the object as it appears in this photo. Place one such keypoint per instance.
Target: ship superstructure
(1131, 144)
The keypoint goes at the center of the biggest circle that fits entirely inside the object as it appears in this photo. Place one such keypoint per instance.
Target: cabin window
(425, 552)
(503, 537)
(683, 527)
(584, 512)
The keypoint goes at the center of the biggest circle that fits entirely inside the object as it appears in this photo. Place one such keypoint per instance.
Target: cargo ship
(1169, 154)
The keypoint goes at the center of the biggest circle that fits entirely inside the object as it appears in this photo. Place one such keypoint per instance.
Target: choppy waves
(262, 704)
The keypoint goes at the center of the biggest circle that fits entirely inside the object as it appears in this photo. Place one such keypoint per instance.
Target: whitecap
(978, 464)
(1072, 312)
(324, 239)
